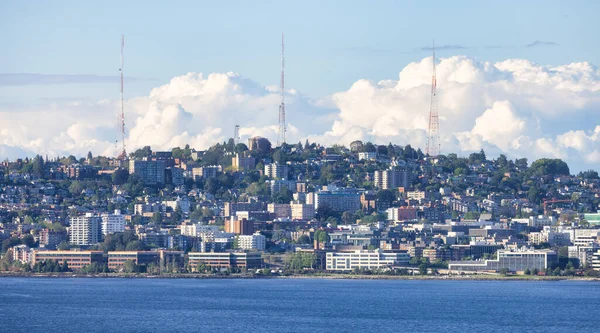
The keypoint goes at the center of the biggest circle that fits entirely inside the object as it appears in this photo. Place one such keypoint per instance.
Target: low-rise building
(514, 261)
(364, 259)
(224, 260)
(75, 259)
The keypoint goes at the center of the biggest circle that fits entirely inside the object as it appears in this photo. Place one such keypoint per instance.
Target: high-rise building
(239, 226)
(302, 211)
(85, 230)
(151, 172)
(277, 171)
(338, 201)
(206, 172)
(389, 179)
(112, 223)
(251, 242)
(240, 163)
(280, 210)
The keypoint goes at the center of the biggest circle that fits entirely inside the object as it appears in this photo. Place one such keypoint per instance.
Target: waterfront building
(514, 261)
(116, 259)
(224, 260)
(75, 259)
(365, 259)
(22, 253)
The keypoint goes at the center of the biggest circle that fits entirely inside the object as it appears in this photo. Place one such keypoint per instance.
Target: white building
(390, 179)
(363, 259)
(85, 230)
(514, 261)
(112, 223)
(277, 171)
(541, 221)
(251, 242)
(278, 184)
(369, 156)
(22, 253)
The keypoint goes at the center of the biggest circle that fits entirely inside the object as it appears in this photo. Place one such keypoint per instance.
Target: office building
(365, 259)
(75, 259)
(514, 261)
(224, 260)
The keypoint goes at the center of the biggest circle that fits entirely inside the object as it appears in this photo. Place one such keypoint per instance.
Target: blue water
(296, 305)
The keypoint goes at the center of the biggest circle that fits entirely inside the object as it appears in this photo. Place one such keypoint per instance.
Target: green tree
(130, 266)
(120, 177)
(76, 188)
(321, 236)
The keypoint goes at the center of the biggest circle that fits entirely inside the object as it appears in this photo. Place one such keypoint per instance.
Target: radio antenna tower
(282, 129)
(236, 134)
(123, 155)
(433, 138)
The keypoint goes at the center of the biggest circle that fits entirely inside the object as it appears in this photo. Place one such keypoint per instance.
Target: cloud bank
(513, 107)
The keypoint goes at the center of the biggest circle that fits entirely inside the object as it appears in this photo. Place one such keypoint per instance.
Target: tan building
(239, 226)
(302, 211)
(280, 210)
(116, 259)
(239, 163)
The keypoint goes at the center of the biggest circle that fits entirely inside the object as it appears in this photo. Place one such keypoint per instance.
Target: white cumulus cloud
(513, 107)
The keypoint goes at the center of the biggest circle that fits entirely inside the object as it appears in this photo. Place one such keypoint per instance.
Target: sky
(503, 59)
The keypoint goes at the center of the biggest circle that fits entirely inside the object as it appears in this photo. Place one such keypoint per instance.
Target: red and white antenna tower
(282, 129)
(433, 138)
(123, 155)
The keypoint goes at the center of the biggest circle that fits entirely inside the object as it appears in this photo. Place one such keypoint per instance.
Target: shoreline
(324, 276)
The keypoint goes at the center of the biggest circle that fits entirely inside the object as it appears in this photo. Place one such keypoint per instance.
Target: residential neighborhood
(299, 209)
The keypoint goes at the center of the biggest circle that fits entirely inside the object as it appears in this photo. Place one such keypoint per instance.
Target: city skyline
(541, 88)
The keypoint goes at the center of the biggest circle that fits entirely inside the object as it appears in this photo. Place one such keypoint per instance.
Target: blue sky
(329, 44)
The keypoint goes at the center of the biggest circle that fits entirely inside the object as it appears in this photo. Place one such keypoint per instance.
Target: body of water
(295, 305)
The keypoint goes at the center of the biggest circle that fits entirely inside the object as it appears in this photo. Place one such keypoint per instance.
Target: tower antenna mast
(433, 138)
(282, 128)
(123, 155)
